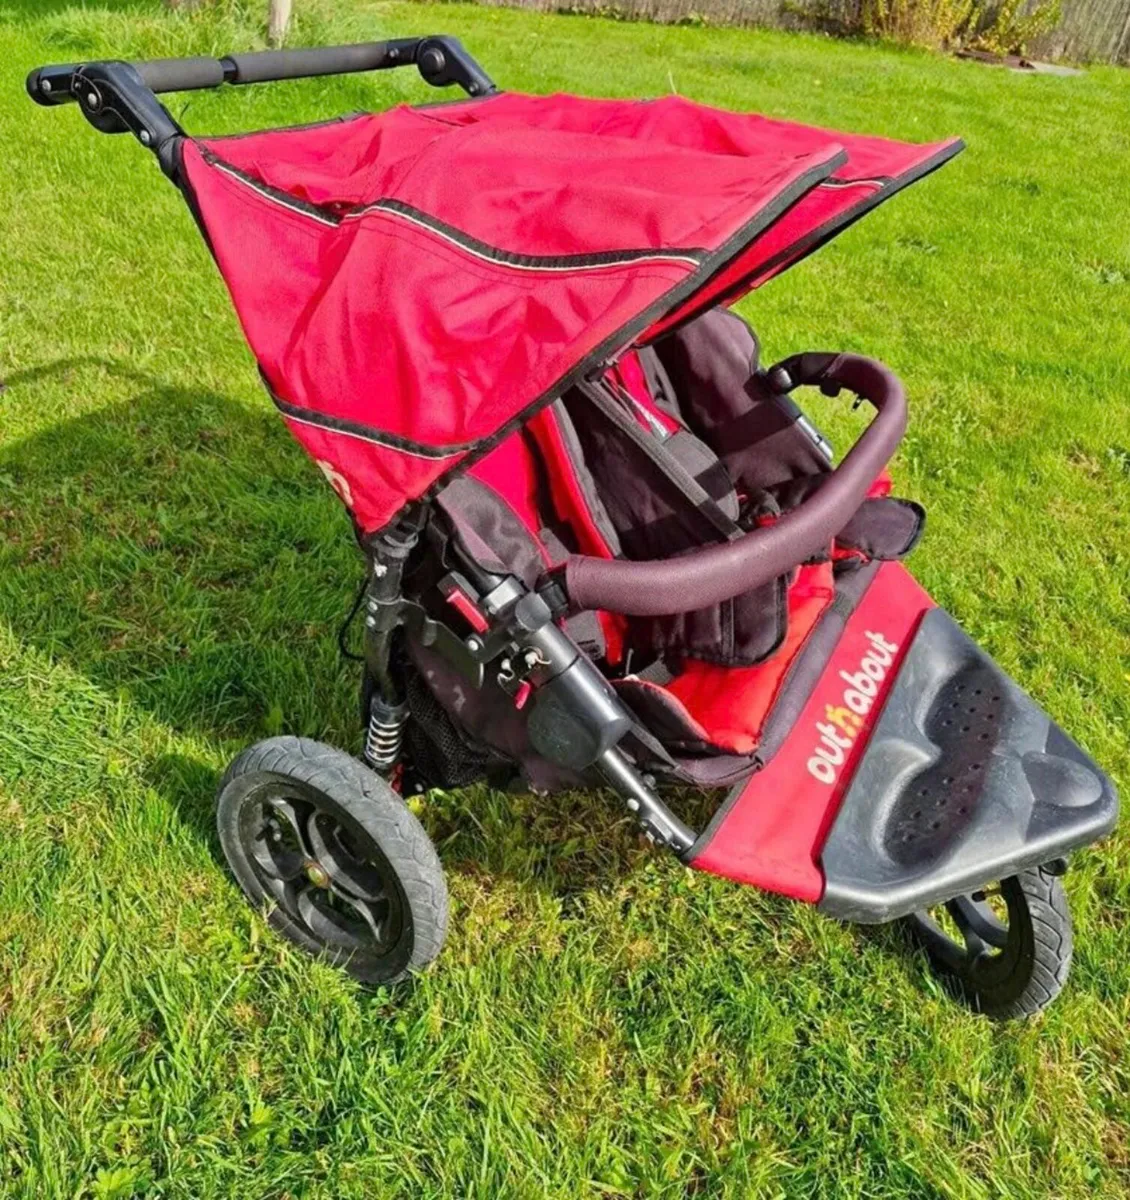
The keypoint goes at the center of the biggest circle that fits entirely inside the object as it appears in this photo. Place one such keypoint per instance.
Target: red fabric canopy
(416, 283)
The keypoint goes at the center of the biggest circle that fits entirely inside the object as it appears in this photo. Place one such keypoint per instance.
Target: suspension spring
(384, 736)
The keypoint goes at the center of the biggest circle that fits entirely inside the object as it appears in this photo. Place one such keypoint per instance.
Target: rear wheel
(1004, 951)
(340, 864)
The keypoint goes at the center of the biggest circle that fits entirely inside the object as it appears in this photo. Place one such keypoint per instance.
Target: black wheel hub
(974, 937)
(322, 872)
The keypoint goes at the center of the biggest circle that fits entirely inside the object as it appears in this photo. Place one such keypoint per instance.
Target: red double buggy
(603, 542)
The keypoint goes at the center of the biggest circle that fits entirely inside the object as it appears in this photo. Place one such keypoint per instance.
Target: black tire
(334, 856)
(1004, 969)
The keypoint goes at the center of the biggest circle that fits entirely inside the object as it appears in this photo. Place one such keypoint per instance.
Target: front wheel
(340, 864)
(1004, 951)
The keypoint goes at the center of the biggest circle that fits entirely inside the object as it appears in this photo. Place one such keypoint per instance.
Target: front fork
(576, 720)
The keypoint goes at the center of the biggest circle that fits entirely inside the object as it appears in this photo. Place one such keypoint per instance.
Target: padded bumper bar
(714, 574)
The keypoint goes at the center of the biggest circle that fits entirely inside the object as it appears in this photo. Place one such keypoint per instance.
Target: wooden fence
(1090, 30)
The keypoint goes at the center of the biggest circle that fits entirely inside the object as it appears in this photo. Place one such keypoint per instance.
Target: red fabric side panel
(733, 702)
(511, 472)
(572, 507)
(773, 834)
(568, 496)
(629, 375)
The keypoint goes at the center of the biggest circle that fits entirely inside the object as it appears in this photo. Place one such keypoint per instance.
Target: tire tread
(400, 835)
(1044, 958)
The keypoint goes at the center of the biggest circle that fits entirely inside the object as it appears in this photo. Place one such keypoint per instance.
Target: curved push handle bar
(713, 574)
(116, 97)
(441, 60)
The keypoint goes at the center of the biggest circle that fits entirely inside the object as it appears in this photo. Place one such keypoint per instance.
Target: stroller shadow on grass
(177, 548)
(174, 548)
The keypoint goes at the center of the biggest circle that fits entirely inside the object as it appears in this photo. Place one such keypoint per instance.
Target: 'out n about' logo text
(842, 722)
(336, 480)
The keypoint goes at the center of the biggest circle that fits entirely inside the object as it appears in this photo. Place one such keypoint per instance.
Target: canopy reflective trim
(432, 277)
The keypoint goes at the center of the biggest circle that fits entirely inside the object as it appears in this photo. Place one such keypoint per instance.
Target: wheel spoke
(352, 877)
(281, 866)
(302, 901)
(277, 846)
(368, 912)
(358, 889)
(939, 944)
(286, 810)
(980, 922)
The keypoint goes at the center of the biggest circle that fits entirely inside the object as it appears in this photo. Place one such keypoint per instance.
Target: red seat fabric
(732, 703)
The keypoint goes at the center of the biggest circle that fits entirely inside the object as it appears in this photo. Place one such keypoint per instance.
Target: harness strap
(674, 470)
(657, 672)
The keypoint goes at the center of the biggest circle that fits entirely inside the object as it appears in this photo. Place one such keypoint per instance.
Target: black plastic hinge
(551, 588)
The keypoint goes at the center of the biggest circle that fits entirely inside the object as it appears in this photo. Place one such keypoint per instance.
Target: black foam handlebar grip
(714, 574)
(180, 74)
(54, 84)
(265, 65)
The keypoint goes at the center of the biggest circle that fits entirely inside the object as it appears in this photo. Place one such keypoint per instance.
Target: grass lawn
(602, 1021)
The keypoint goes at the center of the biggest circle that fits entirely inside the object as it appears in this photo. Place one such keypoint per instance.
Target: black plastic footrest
(965, 780)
